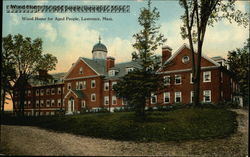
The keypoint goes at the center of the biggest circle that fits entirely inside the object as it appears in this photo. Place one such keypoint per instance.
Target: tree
(28, 61)
(238, 61)
(198, 15)
(8, 74)
(137, 86)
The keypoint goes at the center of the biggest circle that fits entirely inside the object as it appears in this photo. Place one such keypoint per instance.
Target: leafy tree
(28, 61)
(238, 61)
(198, 15)
(137, 86)
(8, 74)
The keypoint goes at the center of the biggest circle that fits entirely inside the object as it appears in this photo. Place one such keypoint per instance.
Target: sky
(68, 40)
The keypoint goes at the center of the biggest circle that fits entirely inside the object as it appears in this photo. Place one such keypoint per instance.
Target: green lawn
(181, 124)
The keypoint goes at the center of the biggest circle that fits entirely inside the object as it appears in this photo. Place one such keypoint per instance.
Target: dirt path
(23, 140)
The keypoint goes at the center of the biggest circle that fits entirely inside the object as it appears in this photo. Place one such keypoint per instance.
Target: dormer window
(81, 70)
(129, 69)
(111, 72)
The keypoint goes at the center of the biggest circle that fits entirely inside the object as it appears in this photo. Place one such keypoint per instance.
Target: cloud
(171, 31)
(15, 20)
(50, 32)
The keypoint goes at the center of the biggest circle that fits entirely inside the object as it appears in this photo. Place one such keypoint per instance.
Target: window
(207, 76)
(77, 85)
(166, 80)
(93, 97)
(84, 85)
(207, 95)
(153, 98)
(106, 86)
(177, 97)
(185, 59)
(81, 70)
(191, 78)
(48, 103)
(25, 103)
(129, 69)
(111, 72)
(106, 100)
(29, 92)
(48, 91)
(52, 113)
(83, 103)
(69, 86)
(41, 103)
(52, 102)
(177, 79)
(37, 103)
(80, 85)
(166, 97)
(191, 96)
(113, 83)
(53, 91)
(59, 90)
(92, 83)
(42, 92)
(114, 101)
(58, 102)
(29, 103)
(37, 92)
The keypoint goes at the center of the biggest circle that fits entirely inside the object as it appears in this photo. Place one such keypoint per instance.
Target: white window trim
(113, 83)
(106, 98)
(59, 103)
(68, 85)
(84, 85)
(191, 95)
(111, 73)
(204, 73)
(59, 91)
(165, 94)
(93, 94)
(80, 85)
(54, 91)
(204, 96)
(93, 81)
(114, 98)
(81, 70)
(175, 80)
(42, 92)
(106, 84)
(191, 76)
(175, 96)
(153, 95)
(77, 85)
(165, 77)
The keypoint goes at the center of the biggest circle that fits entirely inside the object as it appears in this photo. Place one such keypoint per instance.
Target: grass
(177, 125)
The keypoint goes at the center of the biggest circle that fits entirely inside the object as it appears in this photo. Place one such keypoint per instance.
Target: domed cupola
(99, 50)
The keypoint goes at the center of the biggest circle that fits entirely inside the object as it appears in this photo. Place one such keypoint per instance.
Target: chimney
(110, 62)
(166, 53)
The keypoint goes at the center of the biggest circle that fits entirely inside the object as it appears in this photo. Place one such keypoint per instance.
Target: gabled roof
(98, 65)
(77, 93)
(185, 46)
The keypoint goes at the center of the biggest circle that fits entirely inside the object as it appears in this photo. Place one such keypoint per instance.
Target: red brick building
(88, 83)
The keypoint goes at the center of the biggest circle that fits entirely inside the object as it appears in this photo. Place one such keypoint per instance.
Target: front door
(71, 105)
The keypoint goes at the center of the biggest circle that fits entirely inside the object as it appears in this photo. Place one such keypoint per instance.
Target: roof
(217, 58)
(99, 47)
(98, 65)
(121, 68)
(57, 78)
(79, 93)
